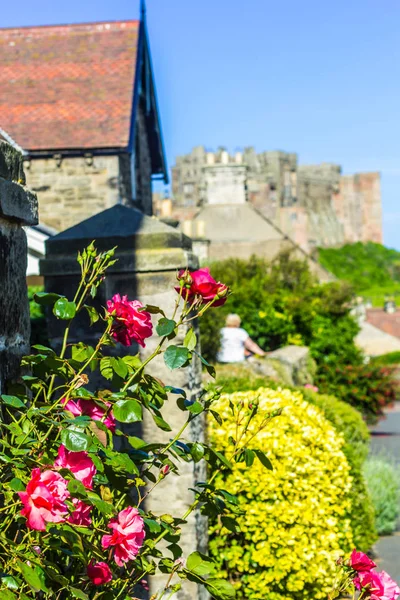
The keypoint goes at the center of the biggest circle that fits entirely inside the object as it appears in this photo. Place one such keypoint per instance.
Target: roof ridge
(80, 23)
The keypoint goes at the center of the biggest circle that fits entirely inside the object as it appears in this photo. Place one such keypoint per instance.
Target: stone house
(80, 102)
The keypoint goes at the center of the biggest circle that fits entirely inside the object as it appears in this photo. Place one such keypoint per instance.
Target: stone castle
(314, 205)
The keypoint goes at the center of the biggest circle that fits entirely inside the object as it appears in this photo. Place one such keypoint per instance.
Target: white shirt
(232, 344)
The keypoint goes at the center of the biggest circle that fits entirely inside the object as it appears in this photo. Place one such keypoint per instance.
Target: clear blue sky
(317, 78)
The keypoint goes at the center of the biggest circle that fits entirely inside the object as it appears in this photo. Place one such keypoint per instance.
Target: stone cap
(16, 202)
(121, 226)
(11, 164)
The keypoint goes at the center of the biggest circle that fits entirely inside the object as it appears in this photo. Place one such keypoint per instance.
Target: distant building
(79, 101)
(314, 205)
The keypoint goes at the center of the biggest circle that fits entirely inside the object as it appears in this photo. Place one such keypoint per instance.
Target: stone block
(17, 203)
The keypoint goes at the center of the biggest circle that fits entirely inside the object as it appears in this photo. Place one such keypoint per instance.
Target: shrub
(295, 519)
(383, 481)
(281, 303)
(347, 422)
(369, 388)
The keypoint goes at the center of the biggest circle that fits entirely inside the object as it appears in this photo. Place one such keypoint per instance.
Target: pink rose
(79, 463)
(80, 406)
(360, 562)
(43, 499)
(204, 286)
(314, 388)
(81, 514)
(127, 537)
(99, 573)
(380, 585)
(130, 324)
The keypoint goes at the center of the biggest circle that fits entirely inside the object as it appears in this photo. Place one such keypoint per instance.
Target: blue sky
(317, 78)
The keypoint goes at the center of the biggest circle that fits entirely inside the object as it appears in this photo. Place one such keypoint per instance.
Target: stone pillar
(18, 207)
(149, 254)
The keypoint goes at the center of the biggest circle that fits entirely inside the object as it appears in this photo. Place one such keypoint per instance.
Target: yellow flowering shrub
(294, 522)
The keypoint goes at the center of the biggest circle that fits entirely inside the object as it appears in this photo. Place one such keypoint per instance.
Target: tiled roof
(68, 86)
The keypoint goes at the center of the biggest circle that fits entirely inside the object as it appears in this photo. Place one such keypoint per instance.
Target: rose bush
(358, 573)
(73, 520)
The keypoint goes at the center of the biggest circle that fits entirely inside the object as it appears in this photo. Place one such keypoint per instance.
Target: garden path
(386, 437)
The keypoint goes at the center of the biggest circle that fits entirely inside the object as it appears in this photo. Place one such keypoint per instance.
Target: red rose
(99, 573)
(361, 562)
(204, 286)
(43, 499)
(127, 536)
(130, 324)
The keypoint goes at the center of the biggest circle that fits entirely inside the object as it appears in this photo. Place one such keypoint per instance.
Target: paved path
(386, 437)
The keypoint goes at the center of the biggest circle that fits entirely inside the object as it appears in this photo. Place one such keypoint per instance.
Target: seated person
(236, 343)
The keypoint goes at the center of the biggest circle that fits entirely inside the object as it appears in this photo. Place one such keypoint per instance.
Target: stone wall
(18, 207)
(358, 204)
(73, 189)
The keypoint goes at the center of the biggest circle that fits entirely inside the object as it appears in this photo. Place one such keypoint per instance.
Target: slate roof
(68, 86)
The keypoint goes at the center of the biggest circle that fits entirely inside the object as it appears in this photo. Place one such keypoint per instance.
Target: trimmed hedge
(295, 520)
(347, 421)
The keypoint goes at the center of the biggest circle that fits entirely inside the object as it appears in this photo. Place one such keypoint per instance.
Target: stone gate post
(149, 254)
(18, 207)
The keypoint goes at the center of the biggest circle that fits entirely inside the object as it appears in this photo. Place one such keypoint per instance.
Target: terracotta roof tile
(68, 86)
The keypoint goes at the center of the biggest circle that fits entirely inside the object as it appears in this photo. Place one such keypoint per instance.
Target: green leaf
(64, 310)
(10, 582)
(209, 368)
(190, 341)
(195, 407)
(7, 594)
(31, 577)
(200, 564)
(175, 357)
(264, 460)
(136, 442)
(159, 421)
(230, 524)
(12, 401)
(17, 485)
(128, 411)
(153, 310)
(249, 457)
(78, 593)
(197, 451)
(81, 352)
(75, 441)
(106, 368)
(132, 361)
(104, 507)
(46, 299)
(93, 314)
(222, 458)
(76, 488)
(165, 327)
(43, 349)
(220, 589)
(119, 367)
(152, 525)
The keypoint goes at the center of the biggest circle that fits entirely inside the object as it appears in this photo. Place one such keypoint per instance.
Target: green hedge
(294, 520)
(346, 420)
